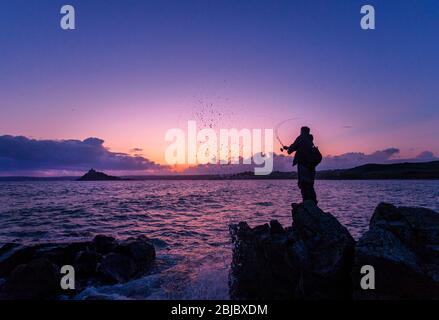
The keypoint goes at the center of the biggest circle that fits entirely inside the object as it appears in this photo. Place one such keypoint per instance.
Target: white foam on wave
(138, 289)
(209, 283)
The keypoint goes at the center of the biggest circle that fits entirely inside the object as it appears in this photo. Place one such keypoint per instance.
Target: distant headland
(93, 175)
(394, 171)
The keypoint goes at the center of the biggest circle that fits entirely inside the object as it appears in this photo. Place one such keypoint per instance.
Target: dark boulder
(12, 255)
(104, 260)
(104, 244)
(139, 249)
(402, 245)
(61, 254)
(310, 260)
(86, 263)
(130, 258)
(259, 266)
(39, 279)
(276, 227)
(116, 268)
(324, 249)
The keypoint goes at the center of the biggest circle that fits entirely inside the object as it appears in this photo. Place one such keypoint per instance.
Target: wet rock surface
(310, 260)
(402, 245)
(33, 272)
(316, 258)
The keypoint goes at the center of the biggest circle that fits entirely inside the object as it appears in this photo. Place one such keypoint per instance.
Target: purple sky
(134, 69)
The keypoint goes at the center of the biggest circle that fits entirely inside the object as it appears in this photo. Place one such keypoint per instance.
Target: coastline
(394, 171)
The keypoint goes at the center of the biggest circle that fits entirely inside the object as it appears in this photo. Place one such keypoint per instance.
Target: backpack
(314, 157)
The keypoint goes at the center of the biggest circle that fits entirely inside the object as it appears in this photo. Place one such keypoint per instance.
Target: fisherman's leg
(305, 192)
(307, 184)
(313, 194)
(300, 181)
(302, 187)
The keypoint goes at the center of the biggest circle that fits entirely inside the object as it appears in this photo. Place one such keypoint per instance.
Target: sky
(131, 70)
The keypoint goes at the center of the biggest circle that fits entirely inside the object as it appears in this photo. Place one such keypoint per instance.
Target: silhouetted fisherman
(307, 157)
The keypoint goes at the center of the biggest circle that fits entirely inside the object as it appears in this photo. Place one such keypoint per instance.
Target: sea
(188, 221)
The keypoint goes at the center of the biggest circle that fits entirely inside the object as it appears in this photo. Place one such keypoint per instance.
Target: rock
(402, 244)
(276, 227)
(86, 263)
(61, 253)
(325, 249)
(39, 279)
(116, 268)
(7, 249)
(259, 269)
(140, 250)
(104, 244)
(58, 253)
(131, 258)
(12, 255)
(310, 260)
(104, 260)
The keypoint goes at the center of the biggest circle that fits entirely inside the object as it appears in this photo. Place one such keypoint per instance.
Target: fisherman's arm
(292, 148)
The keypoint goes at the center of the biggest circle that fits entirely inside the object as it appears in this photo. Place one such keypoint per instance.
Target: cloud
(347, 160)
(21, 154)
(353, 159)
(24, 156)
(426, 156)
(282, 162)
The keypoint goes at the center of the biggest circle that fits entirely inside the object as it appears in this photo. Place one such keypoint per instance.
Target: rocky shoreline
(317, 258)
(34, 272)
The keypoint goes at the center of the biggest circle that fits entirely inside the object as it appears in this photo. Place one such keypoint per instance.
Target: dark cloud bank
(19, 155)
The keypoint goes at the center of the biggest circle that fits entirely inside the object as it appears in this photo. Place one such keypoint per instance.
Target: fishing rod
(276, 132)
(281, 148)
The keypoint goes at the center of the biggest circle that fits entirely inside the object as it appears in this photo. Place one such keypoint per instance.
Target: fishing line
(276, 131)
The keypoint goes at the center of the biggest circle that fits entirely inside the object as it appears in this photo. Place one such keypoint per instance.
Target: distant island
(406, 170)
(395, 171)
(93, 175)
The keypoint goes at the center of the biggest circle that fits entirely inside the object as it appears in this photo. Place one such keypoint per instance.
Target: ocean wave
(187, 220)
